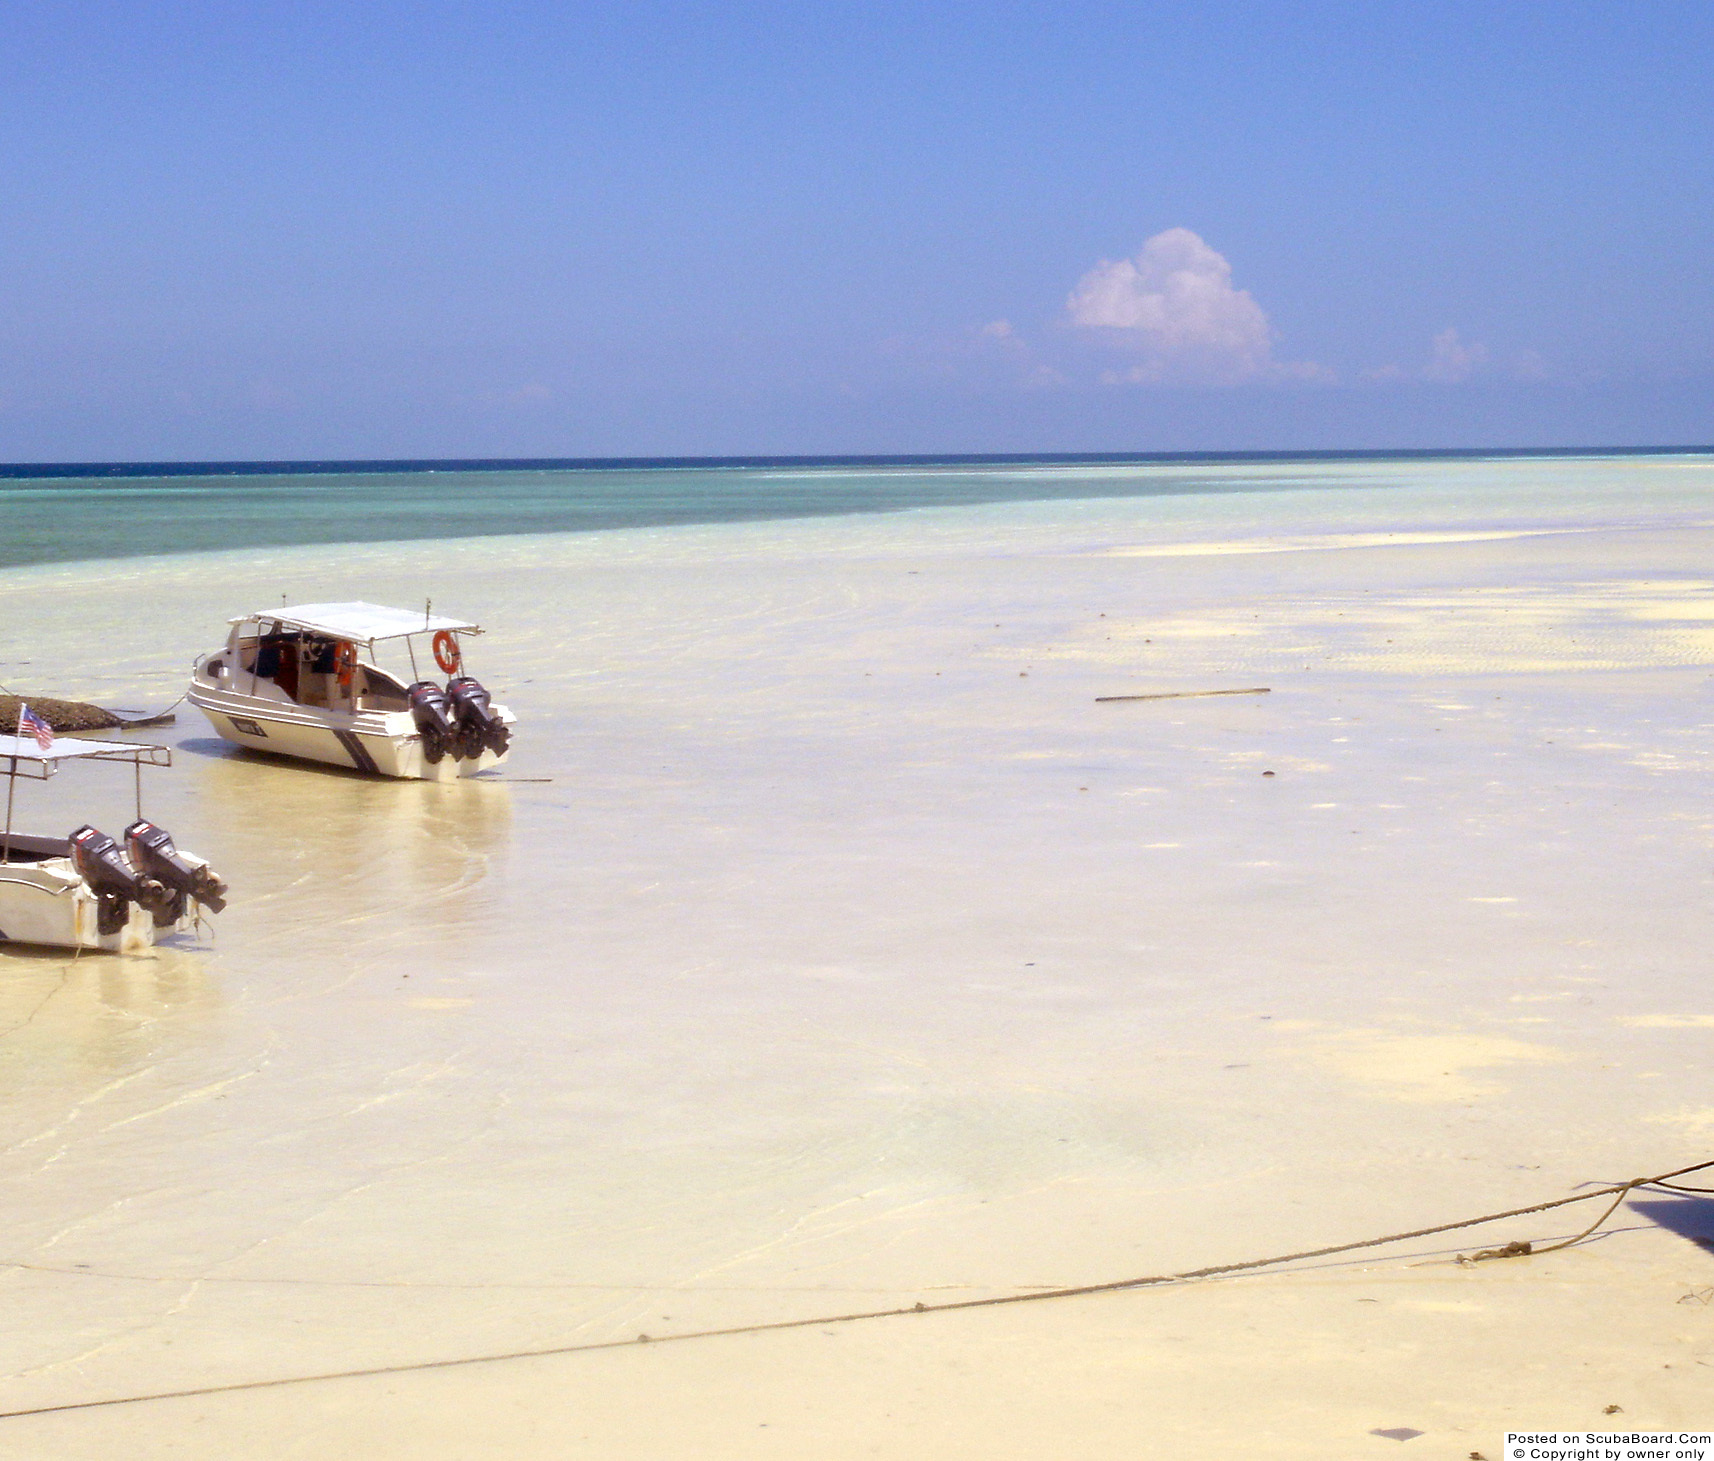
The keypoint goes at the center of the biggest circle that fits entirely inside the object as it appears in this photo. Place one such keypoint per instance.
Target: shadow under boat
(1691, 1218)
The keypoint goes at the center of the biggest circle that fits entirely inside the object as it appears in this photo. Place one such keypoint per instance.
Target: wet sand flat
(825, 946)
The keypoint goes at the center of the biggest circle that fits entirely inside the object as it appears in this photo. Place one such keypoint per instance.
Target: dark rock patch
(62, 715)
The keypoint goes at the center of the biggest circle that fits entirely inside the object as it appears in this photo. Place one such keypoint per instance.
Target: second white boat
(88, 890)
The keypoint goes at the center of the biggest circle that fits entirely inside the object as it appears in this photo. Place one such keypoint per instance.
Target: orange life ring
(345, 661)
(446, 653)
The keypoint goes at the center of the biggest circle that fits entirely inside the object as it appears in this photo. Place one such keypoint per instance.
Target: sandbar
(826, 946)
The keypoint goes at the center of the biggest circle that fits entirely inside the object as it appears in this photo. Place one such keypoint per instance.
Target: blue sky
(258, 230)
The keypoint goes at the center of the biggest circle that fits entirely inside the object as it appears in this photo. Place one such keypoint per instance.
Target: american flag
(29, 721)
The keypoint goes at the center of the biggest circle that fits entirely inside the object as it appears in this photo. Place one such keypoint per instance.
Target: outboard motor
(432, 714)
(152, 853)
(479, 728)
(99, 863)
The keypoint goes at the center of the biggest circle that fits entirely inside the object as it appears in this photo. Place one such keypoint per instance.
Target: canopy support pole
(11, 791)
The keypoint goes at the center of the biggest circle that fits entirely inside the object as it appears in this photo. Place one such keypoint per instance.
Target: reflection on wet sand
(351, 860)
(96, 1015)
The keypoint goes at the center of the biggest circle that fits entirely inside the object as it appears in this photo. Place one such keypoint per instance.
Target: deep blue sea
(66, 513)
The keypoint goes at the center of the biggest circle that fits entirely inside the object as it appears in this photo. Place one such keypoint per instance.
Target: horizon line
(329, 466)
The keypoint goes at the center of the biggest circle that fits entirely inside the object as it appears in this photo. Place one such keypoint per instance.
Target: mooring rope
(1617, 1192)
(151, 717)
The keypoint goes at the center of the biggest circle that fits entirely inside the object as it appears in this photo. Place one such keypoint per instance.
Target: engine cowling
(153, 855)
(101, 864)
(479, 727)
(432, 714)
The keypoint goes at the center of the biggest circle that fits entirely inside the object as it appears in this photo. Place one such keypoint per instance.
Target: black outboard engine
(479, 728)
(153, 855)
(99, 863)
(432, 713)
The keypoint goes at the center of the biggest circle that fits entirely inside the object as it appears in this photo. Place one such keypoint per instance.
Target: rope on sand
(151, 717)
(1511, 1250)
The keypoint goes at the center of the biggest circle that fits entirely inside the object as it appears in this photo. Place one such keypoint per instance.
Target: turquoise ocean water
(51, 514)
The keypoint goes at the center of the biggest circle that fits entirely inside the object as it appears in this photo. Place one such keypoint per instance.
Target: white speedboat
(87, 890)
(303, 682)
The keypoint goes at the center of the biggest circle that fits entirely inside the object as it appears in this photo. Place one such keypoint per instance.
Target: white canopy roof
(358, 621)
(14, 749)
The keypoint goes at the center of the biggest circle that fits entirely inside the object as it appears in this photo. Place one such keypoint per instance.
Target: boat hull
(380, 743)
(47, 903)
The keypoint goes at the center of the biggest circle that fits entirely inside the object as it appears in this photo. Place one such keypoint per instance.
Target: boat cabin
(322, 655)
(306, 667)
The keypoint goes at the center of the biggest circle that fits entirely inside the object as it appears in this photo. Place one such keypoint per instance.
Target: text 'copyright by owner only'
(1609, 1446)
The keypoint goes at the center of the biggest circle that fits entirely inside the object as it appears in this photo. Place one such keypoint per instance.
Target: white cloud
(999, 347)
(1450, 361)
(1453, 360)
(1175, 303)
(1305, 370)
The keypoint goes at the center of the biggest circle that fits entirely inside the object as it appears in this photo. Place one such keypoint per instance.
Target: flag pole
(11, 791)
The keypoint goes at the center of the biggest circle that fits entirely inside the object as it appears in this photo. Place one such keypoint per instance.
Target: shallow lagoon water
(825, 946)
(58, 518)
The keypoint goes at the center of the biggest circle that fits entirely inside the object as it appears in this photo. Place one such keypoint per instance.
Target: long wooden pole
(1185, 694)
